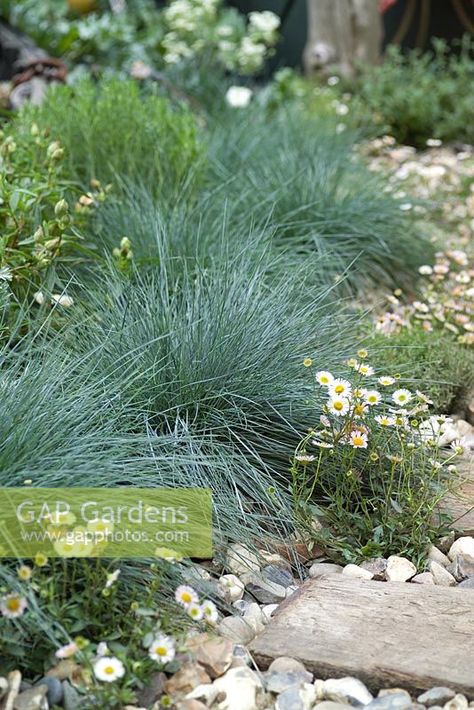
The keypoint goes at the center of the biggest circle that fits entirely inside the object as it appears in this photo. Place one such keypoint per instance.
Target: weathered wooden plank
(386, 634)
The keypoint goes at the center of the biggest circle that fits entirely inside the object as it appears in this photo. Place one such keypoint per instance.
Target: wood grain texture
(386, 634)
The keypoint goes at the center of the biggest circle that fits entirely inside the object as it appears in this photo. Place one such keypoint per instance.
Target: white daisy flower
(322, 444)
(365, 370)
(384, 420)
(372, 397)
(13, 605)
(358, 439)
(162, 649)
(425, 270)
(386, 380)
(108, 669)
(186, 595)
(402, 396)
(209, 611)
(340, 388)
(338, 406)
(305, 458)
(359, 410)
(324, 378)
(423, 398)
(195, 611)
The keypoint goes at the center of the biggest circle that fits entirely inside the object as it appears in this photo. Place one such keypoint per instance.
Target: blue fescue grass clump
(302, 177)
(175, 375)
(285, 181)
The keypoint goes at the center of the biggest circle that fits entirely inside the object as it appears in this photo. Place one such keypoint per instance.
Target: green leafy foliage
(42, 234)
(435, 362)
(110, 132)
(419, 96)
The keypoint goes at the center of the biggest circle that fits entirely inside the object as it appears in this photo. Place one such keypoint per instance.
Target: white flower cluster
(356, 408)
(195, 27)
(188, 598)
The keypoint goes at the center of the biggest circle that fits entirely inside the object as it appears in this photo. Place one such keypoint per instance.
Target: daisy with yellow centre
(209, 611)
(195, 611)
(359, 410)
(401, 420)
(365, 370)
(362, 353)
(402, 397)
(307, 362)
(386, 381)
(12, 606)
(372, 397)
(162, 649)
(384, 420)
(352, 362)
(338, 406)
(340, 388)
(24, 573)
(108, 669)
(358, 439)
(186, 595)
(324, 378)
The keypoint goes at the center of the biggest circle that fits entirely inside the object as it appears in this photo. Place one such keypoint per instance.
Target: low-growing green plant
(42, 230)
(434, 361)
(115, 624)
(110, 132)
(393, 96)
(371, 470)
